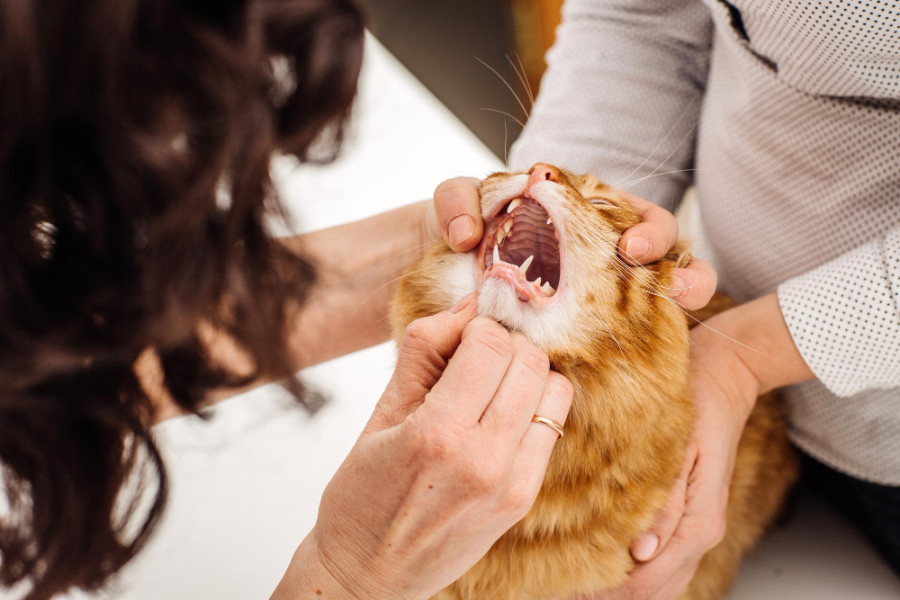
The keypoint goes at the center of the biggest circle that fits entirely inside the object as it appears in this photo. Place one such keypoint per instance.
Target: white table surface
(245, 486)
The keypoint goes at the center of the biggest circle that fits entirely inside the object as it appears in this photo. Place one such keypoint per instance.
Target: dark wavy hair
(135, 140)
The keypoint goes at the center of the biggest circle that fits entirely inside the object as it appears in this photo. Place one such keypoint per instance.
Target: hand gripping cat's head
(548, 266)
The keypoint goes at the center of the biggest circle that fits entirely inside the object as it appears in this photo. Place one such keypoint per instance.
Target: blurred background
(452, 45)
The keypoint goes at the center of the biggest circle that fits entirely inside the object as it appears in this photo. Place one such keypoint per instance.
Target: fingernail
(637, 248)
(679, 285)
(462, 304)
(644, 548)
(461, 229)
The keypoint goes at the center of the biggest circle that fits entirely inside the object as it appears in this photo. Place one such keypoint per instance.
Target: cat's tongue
(522, 247)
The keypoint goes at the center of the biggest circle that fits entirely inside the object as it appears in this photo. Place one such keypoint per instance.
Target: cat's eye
(599, 201)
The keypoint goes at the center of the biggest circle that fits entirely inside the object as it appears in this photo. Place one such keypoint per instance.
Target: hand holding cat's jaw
(650, 240)
(449, 461)
(455, 215)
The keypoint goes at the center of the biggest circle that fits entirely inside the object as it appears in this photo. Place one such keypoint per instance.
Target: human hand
(455, 214)
(448, 461)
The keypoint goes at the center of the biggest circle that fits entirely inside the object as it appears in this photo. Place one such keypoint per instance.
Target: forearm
(757, 335)
(622, 95)
(357, 267)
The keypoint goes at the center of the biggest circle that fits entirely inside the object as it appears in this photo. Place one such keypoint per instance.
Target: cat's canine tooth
(496, 255)
(526, 264)
(548, 289)
(537, 282)
(549, 221)
(514, 205)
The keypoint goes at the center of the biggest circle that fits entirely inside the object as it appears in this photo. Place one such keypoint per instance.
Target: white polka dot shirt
(785, 114)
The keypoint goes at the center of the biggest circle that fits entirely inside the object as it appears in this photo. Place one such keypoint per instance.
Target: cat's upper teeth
(549, 220)
(514, 205)
(548, 289)
(503, 231)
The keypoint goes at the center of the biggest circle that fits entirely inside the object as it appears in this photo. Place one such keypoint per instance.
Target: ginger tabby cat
(548, 267)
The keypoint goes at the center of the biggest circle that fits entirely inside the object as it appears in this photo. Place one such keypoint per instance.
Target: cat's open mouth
(521, 246)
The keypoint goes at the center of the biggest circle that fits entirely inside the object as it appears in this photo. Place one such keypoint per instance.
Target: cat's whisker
(658, 289)
(674, 150)
(520, 72)
(713, 329)
(506, 143)
(508, 86)
(386, 284)
(631, 269)
(645, 177)
(616, 340)
(661, 141)
(505, 114)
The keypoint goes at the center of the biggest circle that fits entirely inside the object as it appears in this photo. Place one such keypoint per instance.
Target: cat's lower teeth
(524, 267)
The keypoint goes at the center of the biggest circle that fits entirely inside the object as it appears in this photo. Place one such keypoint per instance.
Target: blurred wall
(440, 41)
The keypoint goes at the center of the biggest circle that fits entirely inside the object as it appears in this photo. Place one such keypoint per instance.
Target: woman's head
(135, 139)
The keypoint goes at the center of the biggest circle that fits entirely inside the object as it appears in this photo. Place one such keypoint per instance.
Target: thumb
(651, 543)
(422, 356)
(457, 210)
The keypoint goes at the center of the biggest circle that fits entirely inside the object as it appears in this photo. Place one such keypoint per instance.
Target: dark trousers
(873, 508)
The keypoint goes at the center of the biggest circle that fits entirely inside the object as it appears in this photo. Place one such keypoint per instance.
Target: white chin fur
(547, 327)
(458, 276)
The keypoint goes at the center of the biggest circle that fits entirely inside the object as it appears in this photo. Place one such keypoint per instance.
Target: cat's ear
(680, 254)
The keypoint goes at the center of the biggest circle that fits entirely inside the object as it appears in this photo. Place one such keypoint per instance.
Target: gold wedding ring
(551, 424)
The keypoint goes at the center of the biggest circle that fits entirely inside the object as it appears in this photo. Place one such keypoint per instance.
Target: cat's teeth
(537, 282)
(548, 289)
(496, 255)
(526, 264)
(549, 221)
(514, 205)
(499, 237)
(508, 225)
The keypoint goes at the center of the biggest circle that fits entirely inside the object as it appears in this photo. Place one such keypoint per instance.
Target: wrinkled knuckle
(482, 479)
(445, 187)
(458, 190)
(417, 335)
(434, 442)
(562, 387)
(715, 533)
(517, 500)
(492, 337)
(533, 360)
(637, 592)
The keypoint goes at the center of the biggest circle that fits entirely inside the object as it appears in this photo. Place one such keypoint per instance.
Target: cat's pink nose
(542, 172)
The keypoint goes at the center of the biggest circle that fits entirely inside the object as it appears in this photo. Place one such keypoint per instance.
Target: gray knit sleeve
(622, 94)
(845, 320)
